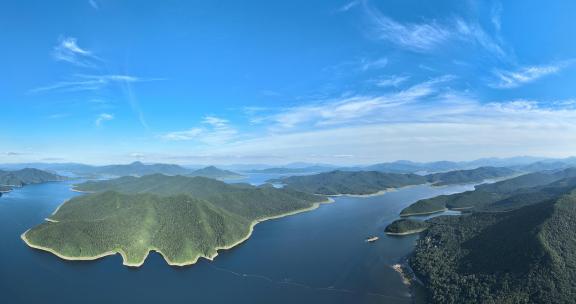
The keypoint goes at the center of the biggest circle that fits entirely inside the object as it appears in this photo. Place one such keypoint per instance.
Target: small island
(182, 218)
(406, 227)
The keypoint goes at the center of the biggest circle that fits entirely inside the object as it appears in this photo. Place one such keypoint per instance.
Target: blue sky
(344, 82)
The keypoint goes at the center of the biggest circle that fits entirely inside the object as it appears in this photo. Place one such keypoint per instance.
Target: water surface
(313, 257)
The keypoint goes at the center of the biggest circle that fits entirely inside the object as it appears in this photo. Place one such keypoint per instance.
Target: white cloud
(355, 109)
(213, 131)
(379, 63)
(81, 82)
(428, 36)
(452, 125)
(101, 118)
(391, 81)
(68, 50)
(524, 75)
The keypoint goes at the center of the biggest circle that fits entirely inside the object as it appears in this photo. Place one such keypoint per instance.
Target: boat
(371, 239)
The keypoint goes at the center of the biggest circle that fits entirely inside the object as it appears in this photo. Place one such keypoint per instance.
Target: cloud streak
(525, 75)
(429, 36)
(69, 51)
(101, 118)
(212, 131)
(82, 82)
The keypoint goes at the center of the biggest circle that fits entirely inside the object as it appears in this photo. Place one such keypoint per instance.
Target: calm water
(314, 257)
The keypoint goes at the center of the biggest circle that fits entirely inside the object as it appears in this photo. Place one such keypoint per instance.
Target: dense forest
(524, 189)
(524, 252)
(369, 182)
(406, 226)
(183, 217)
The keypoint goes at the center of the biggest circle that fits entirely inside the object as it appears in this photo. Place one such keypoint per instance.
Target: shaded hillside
(27, 176)
(369, 182)
(488, 194)
(469, 176)
(522, 256)
(354, 182)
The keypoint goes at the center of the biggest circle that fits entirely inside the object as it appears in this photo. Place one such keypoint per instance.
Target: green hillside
(350, 182)
(182, 217)
(519, 191)
(213, 172)
(406, 226)
(468, 176)
(27, 176)
(369, 182)
(526, 255)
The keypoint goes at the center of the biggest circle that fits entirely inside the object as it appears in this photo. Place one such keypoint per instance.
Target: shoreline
(405, 233)
(424, 213)
(168, 261)
(378, 193)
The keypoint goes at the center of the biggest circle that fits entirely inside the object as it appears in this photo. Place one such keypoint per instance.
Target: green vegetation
(184, 218)
(526, 255)
(213, 172)
(370, 182)
(350, 182)
(406, 226)
(516, 244)
(511, 193)
(468, 176)
(28, 176)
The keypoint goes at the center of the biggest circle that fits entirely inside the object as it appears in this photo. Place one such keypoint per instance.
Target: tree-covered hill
(518, 190)
(405, 226)
(213, 172)
(182, 217)
(469, 176)
(369, 182)
(527, 255)
(350, 182)
(27, 176)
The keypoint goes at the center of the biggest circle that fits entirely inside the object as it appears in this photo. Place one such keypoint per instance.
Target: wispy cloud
(348, 6)
(82, 82)
(94, 4)
(354, 109)
(212, 131)
(430, 35)
(524, 75)
(390, 81)
(68, 50)
(102, 117)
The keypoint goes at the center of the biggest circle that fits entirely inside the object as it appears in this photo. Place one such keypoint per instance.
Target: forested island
(372, 182)
(406, 227)
(28, 176)
(516, 244)
(182, 218)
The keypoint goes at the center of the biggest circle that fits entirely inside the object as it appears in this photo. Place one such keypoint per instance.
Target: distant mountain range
(135, 169)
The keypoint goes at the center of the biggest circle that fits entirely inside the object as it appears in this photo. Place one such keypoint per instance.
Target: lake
(314, 257)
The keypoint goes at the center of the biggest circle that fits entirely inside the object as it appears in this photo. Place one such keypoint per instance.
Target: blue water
(313, 257)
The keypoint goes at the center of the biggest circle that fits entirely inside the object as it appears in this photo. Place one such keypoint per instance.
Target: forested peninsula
(182, 218)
